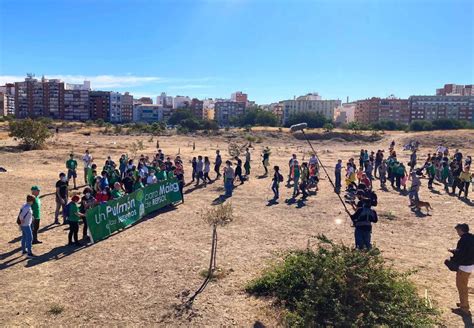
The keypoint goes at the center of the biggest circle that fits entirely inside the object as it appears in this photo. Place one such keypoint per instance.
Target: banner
(105, 219)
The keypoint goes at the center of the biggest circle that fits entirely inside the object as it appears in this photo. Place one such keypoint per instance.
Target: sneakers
(31, 255)
(37, 242)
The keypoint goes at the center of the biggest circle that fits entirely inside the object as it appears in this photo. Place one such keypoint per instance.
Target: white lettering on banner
(100, 217)
(169, 188)
(120, 208)
(164, 189)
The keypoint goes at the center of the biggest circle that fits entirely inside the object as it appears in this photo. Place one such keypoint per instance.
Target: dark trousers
(377, 164)
(303, 189)
(456, 183)
(206, 177)
(35, 227)
(398, 181)
(464, 186)
(430, 180)
(338, 181)
(84, 228)
(73, 230)
(276, 194)
(217, 169)
(362, 238)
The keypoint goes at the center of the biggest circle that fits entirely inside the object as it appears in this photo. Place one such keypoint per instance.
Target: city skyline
(271, 51)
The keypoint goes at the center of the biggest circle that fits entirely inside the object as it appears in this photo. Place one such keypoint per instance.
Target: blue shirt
(104, 182)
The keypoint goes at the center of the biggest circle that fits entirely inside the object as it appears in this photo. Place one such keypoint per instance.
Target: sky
(272, 50)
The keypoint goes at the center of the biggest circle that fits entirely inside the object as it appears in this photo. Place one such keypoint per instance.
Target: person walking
(383, 173)
(193, 165)
(217, 164)
(266, 159)
(199, 170)
(247, 162)
(465, 182)
(277, 178)
(36, 208)
(337, 173)
(378, 161)
(62, 195)
(71, 166)
(414, 189)
(362, 219)
(25, 219)
(291, 168)
(463, 257)
(412, 163)
(74, 216)
(228, 179)
(238, 170)
(296, 178)
(207, 169)
(87, 160)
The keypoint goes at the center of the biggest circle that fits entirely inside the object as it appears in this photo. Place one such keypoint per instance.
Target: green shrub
(314, 120)
(32, 133)
(338, 286)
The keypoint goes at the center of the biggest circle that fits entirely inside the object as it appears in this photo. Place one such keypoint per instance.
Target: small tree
(32, 134)
(221, 215)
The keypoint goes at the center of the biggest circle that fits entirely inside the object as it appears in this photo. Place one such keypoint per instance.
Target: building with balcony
(7, 98)
(99, 105)
(197, 107)
(147, 113)
(225, 111)
(324, 107)
(438, 107)
(127, 107)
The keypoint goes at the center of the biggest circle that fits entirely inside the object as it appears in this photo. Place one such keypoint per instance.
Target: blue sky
(272, 50)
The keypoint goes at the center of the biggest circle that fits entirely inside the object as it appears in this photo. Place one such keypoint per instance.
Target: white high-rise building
(181, 102)
(115, 114)
(164, 100)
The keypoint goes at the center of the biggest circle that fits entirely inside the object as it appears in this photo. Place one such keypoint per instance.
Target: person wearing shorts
(71, 165)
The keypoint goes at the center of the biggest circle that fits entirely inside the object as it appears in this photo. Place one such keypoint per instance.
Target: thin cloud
(189, 86)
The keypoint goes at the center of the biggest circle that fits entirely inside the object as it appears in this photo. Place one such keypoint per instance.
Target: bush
(100, 122)
(338, 286)
(421, 126)
(328, 127)
(388, 126)
(32, 134)
(314, 120)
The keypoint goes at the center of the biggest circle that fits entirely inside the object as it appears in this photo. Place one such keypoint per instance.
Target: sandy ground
(134, 277)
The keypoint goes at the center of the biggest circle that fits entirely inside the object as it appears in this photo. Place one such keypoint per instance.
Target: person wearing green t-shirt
(74, 216)
(117, 192)
(71, 165)
(36, 208)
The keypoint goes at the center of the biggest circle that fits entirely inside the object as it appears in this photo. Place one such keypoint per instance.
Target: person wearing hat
(73, 220)
(71, 165)
(463, 256)
(36, 208)
(26, 218)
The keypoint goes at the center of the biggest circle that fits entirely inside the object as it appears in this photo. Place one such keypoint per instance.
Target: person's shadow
(272, 202)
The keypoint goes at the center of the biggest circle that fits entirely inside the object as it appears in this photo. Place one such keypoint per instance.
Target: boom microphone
(298, 127)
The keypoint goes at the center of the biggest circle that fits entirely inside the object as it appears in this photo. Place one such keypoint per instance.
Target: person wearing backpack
(362, 220)
(277, 178)
(25, 218)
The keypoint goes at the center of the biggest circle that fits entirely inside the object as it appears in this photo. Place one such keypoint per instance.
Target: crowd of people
(115, 179)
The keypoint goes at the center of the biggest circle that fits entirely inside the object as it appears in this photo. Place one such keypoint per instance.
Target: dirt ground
(134, 277)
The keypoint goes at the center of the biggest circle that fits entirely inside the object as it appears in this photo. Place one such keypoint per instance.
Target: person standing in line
(228, 179)
(87, 160)
(123, 165)
(73, 220)
(463, 257)
(247, 162)
(291, 168)
(36, 208)
(464, 182)
(382, 173)
(378, 161)
(337, 173)
(26, 218)
(71, 165)
(277, 178)
(199, 170)
(62, 195)
(207, 169)
(217, 164)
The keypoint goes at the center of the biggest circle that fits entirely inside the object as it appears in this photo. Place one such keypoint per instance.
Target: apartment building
(164, 100)
(324, 107)
(127, 107)
(436, 107)
(115, 109)
(239, 96)
(99, 105)
(7, 98)
(225, 111)
(197, 107)
(455, 90)
(147, 113)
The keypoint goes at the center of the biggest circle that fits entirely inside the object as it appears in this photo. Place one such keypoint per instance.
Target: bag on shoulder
(280, 177)
(451, 265)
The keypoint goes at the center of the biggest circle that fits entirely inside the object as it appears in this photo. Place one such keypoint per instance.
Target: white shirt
(313, 160)
(26, 215)
(87, 159)
(207, 167)
(151, 179)
(467, 268)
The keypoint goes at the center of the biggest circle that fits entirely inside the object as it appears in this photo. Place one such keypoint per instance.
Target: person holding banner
(87, 202)
(73, 219)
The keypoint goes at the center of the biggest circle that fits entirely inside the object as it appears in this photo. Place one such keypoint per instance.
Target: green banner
(105, 219)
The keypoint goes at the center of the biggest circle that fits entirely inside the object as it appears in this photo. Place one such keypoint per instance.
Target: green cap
(35, 188)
